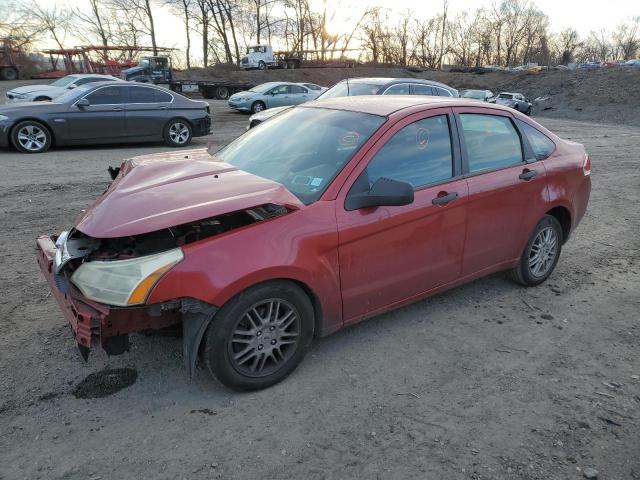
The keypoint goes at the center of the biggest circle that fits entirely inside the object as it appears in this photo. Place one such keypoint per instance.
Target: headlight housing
(124, 282)
(3, 118)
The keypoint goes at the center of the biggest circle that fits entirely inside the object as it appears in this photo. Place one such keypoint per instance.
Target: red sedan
(325, 215)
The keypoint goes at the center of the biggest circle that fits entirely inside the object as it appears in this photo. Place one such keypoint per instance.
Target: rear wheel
(260, 336)
(541, 253)
(8, 73)
(222, 93)
(528, 112)
(262, 65)
(178, 133)
(258, 107)
(31, 137)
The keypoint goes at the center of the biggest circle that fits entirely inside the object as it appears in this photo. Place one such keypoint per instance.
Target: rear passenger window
(442, 92)
(163, 97)
(399, 89)
(541, 145)
(297, 89)
(422, 90)
(142, 95)
(491, 142)
(419, 154)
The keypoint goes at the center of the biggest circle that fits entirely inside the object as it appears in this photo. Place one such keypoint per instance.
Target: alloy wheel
(264, 338)
(179, 133)
(543, 252)
(32, 138)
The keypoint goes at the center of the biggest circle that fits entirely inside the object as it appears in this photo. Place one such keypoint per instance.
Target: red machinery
(94, 59)
(9, 55)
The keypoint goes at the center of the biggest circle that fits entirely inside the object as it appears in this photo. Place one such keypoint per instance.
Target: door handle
(527, 174)
(117, 109)
(444, 199)
(164, 107)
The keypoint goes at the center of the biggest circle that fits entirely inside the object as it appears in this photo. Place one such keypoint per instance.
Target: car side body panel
(215, 270)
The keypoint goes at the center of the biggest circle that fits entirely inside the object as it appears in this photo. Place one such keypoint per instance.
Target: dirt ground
(486, 381)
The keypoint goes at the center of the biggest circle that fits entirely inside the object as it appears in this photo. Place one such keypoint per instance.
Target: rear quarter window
(541, 145)
(491, 142)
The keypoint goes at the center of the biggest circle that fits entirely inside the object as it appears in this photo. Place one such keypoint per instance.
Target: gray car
(104, 113)
(270, 95)
(517, 101)
(46, 92)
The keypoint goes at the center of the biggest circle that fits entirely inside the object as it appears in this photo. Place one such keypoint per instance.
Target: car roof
(392, 80)
(386, 105)
(85, 75)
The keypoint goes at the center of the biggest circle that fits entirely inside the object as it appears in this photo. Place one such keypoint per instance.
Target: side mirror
(82, 103)
(385, 192)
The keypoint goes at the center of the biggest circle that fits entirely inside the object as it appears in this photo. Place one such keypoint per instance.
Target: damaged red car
(325, 215)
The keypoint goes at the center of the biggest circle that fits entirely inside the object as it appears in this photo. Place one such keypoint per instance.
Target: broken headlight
(124, 282)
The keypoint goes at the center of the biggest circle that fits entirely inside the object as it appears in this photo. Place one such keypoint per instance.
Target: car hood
(154, 192)
(34, 107)
(244, 93)
(27, 89)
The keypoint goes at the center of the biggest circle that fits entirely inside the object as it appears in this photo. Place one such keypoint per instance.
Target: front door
(392, 254)
(102, 120)
(279, 97)
(506, 193)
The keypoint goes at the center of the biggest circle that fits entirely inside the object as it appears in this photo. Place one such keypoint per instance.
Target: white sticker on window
(316, 182)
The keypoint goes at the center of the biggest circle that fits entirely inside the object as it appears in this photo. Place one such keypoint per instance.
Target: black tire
(42, 99)
(525, 273)
(528, 112)
(178, 133)
(262, 65)
(222, 93)
(8, 73)
(292, 64)
(258, 107)
(207, 93)
(31, 137)
(224, 347)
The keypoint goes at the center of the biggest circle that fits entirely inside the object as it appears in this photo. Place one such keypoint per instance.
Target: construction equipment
(107, 60)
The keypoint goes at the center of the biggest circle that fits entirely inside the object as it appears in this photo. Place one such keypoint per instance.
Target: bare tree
(140, 17)
(53, 21)
(184, 8)
(627, 38)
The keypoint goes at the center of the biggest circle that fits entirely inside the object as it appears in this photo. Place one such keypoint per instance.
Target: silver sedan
(270, 95)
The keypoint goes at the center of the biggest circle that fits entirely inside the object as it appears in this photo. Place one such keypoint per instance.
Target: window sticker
(315, 182)
(422, 138)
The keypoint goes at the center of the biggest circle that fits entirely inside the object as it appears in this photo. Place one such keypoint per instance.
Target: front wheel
(541, 253)
(178, 133)
(262, 65)
(258, 107)
(260, 336)
(31, 137)
(528, 112)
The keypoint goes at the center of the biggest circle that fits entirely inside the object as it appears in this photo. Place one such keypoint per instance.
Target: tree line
(508, 33)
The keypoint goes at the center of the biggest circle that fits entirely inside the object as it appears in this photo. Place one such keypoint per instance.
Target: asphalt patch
(105, 382)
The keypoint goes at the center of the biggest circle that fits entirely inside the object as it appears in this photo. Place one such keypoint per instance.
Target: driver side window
(419, 154)
(281, 90)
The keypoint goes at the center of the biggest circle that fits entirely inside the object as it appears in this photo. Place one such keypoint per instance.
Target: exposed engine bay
(77, 245)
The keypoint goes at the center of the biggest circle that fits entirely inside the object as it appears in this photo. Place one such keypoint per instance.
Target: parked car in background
(517, 101)
(482, 95)
(632, 63)
(104, 112)
(354, 87)
(45, 93)
(589, 66)
(290, 232)
(270, 95)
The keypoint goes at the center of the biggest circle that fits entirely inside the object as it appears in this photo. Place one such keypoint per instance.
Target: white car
(45, 93)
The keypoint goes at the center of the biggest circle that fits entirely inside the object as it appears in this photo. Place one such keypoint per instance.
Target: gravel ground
(486, 381)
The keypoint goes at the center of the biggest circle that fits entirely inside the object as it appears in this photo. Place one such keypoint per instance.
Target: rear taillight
(586, 166)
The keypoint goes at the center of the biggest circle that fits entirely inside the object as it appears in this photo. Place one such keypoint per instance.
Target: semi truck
(9, 54)
(262, 57)
(159, 70)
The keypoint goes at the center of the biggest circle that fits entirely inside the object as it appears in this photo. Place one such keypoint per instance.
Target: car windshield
(477, 94)
(263, 88)
(350, 89)
(70, 95)
(305, 160)
(64, 81)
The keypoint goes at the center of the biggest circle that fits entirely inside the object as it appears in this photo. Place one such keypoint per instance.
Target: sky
(583, 15)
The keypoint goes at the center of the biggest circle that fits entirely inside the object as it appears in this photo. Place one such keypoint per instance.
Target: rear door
(392, 254)
(147, 111)
(102, 119)
(507, 187)
(299, 94)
